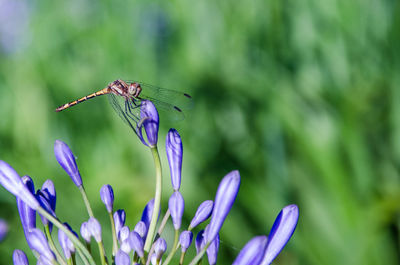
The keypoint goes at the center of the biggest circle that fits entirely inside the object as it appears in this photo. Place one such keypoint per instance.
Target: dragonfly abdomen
(104, 91)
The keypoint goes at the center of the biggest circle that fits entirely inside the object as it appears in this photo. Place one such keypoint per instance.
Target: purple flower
(50, 193)
(66, 159)
(203, 213)
(65, 243)
(85, 233)
(26, 213)
(160, 246)
(42, 198)
(141, 229)
(11, 181)
(253, 252)
(3, 229)
(19, 258)
(38, 242)
(119, 220)
(281, 231)
(185, 239)
(147, 213)
(136, 243)
(95, 229)
(149, 120)
(176, 205)
(124, 233)
(173, 146)
(212, 251)
(200, 242)
(226, 195)
(107, 197)
(122, 258)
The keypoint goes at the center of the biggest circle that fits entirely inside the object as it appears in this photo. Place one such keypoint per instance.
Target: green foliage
(302, 97)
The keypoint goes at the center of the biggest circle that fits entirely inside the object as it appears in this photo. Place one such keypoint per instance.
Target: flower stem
(157, 199)
(200, 255)
(78, 244)
(114, 235)
(53, 246)
(86, 201)
(102, 253)
(173, 249)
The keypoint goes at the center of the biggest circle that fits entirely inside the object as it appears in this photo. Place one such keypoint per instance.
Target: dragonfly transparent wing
(128, 110)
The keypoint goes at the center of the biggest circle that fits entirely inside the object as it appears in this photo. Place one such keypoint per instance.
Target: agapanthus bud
(137, 243)
(119, 220)
(122, 258)
(173, 146)
(42, 198)
(19, 258)
(185, 239)
(50, 193)
(281, 231)
(203, 213)
(226, 195)
(124, 233)
(147, 213)
(200, 242)
(212, 251)
(253, 252)
(3, 229)
(44, 261)
(149, 120)
(85, 233)
(107, 197)
(176, 205)
(160, 246)
(95, 229)
(66, 159)
(11, 181)
(26, 213)
(66, 244)
(38, 242)
(141, 229)
(126, 246)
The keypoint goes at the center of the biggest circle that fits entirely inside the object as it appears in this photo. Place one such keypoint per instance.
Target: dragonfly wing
(127, 110)
(174, 113)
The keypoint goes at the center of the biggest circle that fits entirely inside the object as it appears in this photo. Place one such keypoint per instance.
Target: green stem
(71, 236)
(81, 255)
(114, 235)
(163, 223)
(53, 246)
(174, 248)
(86, 200)
(157, 199)
(102, 253)
(200, 255)
(182, 258)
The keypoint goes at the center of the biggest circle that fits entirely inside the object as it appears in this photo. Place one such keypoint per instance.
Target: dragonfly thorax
(121, 88)
(134, 89)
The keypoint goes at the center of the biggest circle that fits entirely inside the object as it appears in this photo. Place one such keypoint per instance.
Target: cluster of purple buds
(142, 244)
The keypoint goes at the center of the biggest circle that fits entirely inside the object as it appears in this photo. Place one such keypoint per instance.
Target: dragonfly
(126, 98)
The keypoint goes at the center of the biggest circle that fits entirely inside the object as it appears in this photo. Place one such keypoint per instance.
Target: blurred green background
(302, 97)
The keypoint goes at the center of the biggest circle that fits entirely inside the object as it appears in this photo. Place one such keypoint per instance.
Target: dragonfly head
(134, 89)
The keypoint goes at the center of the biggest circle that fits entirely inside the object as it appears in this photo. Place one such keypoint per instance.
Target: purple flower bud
(160, 246)
(185, 239)
(85, 233)
(226, 195)
(149, 120)
(50, 193)
(3, 229)
(147, 213)
(203, 213)
(200, 242)
(66, 159)
(65, 243)
(176, 205)
(10, 180)
(19, 258)
(44, 261)
(26, 213)
(126, 246)
(42, 198)
(173, 146)
(122, 258)
(38, 242)
(136, 243)
(95, 229)
(141, 229)
(124, 233)
(119, 220)
(212, 251)
(281, 231)
(107, 197)
(252, 252)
